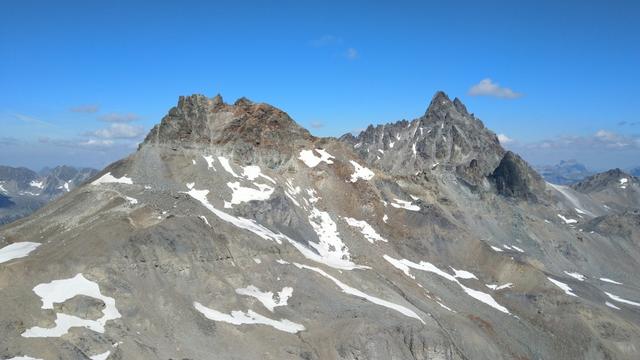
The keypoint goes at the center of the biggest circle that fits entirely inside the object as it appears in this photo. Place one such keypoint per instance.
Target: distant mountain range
(23, 191)
(568, 172)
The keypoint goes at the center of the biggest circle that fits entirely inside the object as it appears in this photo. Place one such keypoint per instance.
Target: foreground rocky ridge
(232, 233)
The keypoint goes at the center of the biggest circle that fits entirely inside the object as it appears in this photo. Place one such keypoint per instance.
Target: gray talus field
(233, 233)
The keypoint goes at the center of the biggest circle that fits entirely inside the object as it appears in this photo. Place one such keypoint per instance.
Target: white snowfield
(406, 265)
(253, 172)
(311, 160)
(23, 358)
(360, 172)
(17, 250)
(131, 201)
(567, 220)
(108, 179)
(227, 166)
(355, 292)
(567, 290)
(59, 291)
(367, 230)
(623, 183)
(102, 356)
(209, 159)
(329, 244)
(576, 275)
(3, 189)
(402, 204)
(611, 305)
(267, 298)
(37, 184)
(266, 234)
(621, 300)
(245, 194)
(610, 281)
(249, 317)
(499, 287)
(496, 249)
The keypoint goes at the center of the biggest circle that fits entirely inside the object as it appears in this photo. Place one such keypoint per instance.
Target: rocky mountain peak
(611, 179)
(446, 136)
(199, 120)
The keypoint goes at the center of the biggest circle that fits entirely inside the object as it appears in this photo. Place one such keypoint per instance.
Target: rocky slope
(232, 233)
(25, 191)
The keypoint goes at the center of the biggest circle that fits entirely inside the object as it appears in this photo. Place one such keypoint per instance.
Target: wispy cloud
(601, 140)
(351, 54)
(628, 123)
(118, 117)
(118, 131)
(326, 40)
(486, 87)
(85, 108)
(504, 139)
(316, 124)
(31, 120)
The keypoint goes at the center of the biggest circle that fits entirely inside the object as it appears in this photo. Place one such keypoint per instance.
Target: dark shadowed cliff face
(515, 178)
(234, 234)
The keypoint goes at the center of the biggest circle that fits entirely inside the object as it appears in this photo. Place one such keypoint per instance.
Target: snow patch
(311, 160)
(621, 300)
(361, 172)
(209, 159)
(102, 356)
(108, 178)
(567, 220)
(367, 230)
(610, 281)
(226, 165)
(267, 298)
(402, 204)
(131, 201)
(37, 184)
(355, 292)
(59, 291)
(244, 194)
(611, 305)
(495, 248)
(405, 265)
(567, 290)
(499, 287)
(252, 172)
(266, 234)
(250, 317)
(576, 275)
(17, 250)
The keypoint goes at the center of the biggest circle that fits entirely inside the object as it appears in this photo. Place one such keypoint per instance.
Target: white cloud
(504, 139)
(316, 124)
(118, 118)
(85, 108)
(326, 40)
(352, 54)
(487, 87)
(600, 140)
(118, 131)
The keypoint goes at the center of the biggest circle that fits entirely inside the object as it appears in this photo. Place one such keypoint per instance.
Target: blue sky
(82, 82)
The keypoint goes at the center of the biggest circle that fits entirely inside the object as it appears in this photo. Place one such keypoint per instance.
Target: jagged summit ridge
(198, 119)
(446, 136)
